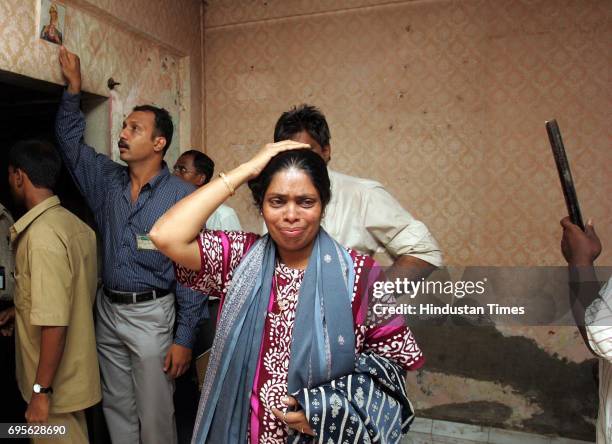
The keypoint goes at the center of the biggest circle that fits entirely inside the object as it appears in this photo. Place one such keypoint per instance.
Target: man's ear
(326, 153)
(159, 144)
(201, 179)
(20, 177)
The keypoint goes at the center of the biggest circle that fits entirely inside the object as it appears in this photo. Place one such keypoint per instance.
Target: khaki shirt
(55, 285)
(6, 254)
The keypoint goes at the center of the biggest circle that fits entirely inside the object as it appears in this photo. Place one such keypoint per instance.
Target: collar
(25, 220)
(164, 172)
(4, 212)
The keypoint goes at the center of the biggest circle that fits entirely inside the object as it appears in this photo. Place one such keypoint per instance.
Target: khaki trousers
(76, 429)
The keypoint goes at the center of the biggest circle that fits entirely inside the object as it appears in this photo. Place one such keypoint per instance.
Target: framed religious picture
(52, 18)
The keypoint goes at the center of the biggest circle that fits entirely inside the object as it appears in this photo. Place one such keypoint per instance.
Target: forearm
(578, 313)
(409, 267)
(52, 343)
(70, 121)
(70, 124)
(192, 307)
(584, 288)
(178, 228)
(88, 168)
(583, 284)
(74, 86)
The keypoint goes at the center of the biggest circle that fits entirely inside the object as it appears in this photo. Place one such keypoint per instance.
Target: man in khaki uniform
(55, 274)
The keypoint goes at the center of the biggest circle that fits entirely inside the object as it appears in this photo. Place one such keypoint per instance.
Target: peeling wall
(444, 102)
(477, 375)
(152, 48)
(176, 25)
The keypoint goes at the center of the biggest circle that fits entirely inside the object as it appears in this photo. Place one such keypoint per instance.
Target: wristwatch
(37, 388)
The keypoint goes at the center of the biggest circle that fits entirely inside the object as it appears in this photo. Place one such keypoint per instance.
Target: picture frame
(52, 22)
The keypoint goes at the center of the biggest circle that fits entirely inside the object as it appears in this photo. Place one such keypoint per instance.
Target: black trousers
(187, 391)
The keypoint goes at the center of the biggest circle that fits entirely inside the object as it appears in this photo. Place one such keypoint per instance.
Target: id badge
(143, 242)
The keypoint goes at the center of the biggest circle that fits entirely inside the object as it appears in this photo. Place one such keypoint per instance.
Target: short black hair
(202, 163)
(304, 160)
(39, 160)
(303, 118)
(163, 123)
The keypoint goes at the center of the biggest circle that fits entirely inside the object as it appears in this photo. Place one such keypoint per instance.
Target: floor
(428, 431)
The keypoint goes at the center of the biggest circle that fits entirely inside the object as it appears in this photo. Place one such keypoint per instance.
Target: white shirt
(224, 218)
(598, 319)
(362, 215)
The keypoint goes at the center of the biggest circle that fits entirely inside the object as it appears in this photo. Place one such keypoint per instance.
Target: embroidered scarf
(323, 342)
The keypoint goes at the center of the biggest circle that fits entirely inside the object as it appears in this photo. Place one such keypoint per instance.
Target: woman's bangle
(227, 183)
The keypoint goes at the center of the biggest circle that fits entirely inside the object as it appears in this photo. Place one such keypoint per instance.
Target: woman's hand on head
(268, 151)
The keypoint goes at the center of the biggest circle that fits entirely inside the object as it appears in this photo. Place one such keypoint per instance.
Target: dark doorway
(27, 111)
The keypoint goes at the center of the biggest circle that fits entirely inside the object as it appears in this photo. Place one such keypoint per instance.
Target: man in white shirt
(362, 215)
(580, 249)
(197, 168)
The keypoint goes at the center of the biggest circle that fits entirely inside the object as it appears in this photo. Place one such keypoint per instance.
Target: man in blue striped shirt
(135, 307)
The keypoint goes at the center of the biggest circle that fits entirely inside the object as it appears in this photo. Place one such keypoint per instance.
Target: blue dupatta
(323, 342)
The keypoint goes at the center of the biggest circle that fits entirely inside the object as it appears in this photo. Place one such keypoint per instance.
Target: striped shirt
(106, 187)
(598, 319)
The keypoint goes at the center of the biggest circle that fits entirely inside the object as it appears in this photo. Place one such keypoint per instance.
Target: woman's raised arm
(175, 233)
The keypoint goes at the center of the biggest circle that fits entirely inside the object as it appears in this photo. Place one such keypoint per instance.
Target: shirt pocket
(22, 298)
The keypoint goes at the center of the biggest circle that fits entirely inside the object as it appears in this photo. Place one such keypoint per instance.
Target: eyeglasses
(179, 169)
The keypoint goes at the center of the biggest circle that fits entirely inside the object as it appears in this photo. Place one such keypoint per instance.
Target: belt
(128, 297)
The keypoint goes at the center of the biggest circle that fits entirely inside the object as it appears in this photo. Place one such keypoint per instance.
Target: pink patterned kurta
(221, 252)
